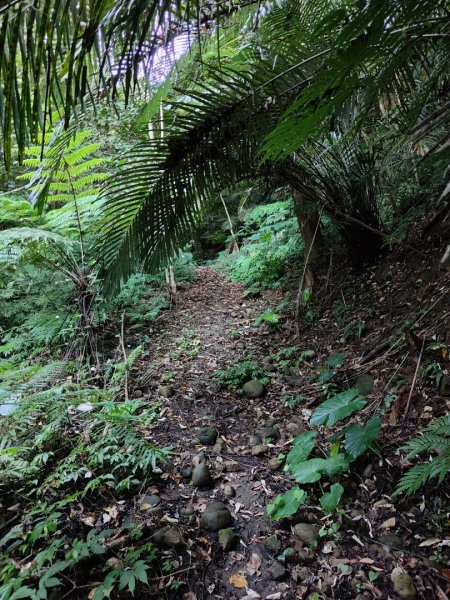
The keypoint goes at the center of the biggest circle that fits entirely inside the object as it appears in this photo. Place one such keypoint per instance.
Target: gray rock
(391, 540)
(306, 532)
(272, 543)
(229, 491)
(253, 389)
(231, 466)
(186, 473)
(275, 463)
(138, 394)
(365, 384)
(201, 476)
(187, 511)
(199, 459)
(207, 436)
(403, 584)
(220, 446)
(158, 536)
(368, 471)
(305, 555)
(254, 440)
(173, 537)
(227, 539)
(270, 432)
(277, 571)
(130, 522)
(293, 428)
(216, 517)
(259, 450)
(166, 391)
(444, 385)
(150, 501)
(259, 413)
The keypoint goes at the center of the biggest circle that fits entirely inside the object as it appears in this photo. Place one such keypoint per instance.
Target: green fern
(65, 171)
(433, 439)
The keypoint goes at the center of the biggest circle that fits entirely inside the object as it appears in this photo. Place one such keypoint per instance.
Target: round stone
(253, 389)
(306, 532)
(216, 517)
(201, 476)
(207, 436)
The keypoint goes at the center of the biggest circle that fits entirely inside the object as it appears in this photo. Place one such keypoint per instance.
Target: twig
(300, 287)
(414, 379)
(124, 352)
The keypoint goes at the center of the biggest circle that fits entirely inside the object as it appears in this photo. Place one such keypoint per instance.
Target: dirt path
(211, 328)
(196, 341)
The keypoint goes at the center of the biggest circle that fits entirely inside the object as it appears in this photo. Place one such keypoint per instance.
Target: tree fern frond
(74, 157)
(433, 438)
(26, 235)
(419, 475)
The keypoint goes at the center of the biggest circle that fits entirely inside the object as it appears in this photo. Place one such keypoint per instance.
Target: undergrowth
(270, 243)
(68, 458)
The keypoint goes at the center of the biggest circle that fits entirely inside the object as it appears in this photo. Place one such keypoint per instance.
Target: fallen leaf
(237, 580)
(366, 561)
(388, 523)
(251, 595)
(253, 563)
(429, 542)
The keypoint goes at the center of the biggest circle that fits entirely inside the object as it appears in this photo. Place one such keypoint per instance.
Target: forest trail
(196, 341)
(211, 328)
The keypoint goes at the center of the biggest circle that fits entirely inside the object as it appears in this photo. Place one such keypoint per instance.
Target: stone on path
(259, 450)
(227, 539)
(207, 436)
(229, 491)
(201, 476)
(166, 391)
(273, 543)
(220, 447)
(277, 571)
(173, 537)
(403, 584)
(253, 389)
(306, 532)
(216, 517)
(270, 432)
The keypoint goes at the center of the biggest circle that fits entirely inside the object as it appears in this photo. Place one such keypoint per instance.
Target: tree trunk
(308, 221)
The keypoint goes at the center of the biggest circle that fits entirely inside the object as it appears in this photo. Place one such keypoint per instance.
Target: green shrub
(271, 243)
(306, 470)
(236, 375)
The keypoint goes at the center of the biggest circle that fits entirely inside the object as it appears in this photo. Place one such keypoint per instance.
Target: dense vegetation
(297, 148)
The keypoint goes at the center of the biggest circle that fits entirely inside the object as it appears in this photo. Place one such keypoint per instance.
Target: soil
(210, 328)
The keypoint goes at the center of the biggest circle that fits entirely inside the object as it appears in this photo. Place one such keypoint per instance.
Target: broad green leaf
(308, 471)
(23, 592)
(287, 504)
(302, 446)
(337, 408)
(358, 439)
(335, 464)
(336, 360)
(331, 499)
(140, 570)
